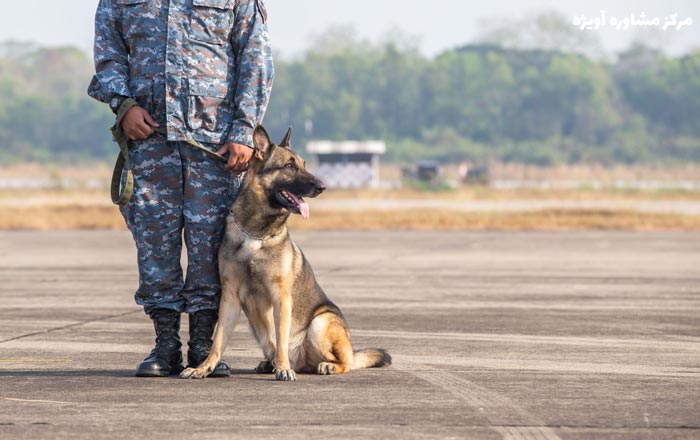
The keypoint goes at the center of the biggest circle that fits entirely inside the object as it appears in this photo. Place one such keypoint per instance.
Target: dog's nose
(320, 187)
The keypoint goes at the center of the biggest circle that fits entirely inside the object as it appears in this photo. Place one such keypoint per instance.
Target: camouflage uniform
(203, 70)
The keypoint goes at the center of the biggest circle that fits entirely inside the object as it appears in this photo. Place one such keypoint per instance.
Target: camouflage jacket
(201, 68)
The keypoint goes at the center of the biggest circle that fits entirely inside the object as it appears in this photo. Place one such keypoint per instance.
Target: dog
(265, 275)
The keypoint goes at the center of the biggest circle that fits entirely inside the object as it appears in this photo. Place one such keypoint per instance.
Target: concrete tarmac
(585, 335)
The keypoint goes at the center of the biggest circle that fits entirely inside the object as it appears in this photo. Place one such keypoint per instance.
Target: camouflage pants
(177, 189)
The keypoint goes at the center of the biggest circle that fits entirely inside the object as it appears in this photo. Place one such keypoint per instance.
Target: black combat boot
(201, 330)
(166, 357)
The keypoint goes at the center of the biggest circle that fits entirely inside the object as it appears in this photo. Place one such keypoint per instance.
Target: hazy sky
(440, 24)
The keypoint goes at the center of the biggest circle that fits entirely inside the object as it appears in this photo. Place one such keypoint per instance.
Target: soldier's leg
(154, 217)
(209, 192)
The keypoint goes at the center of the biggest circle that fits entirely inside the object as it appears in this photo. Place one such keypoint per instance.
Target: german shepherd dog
(264, 274)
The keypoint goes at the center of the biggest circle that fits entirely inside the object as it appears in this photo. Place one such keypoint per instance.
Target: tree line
(479, 102)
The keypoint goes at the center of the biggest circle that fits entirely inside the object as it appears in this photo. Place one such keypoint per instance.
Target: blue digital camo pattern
(202, 69)
(176, 188)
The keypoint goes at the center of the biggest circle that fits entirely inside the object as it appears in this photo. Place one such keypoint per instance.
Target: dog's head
(281, 175)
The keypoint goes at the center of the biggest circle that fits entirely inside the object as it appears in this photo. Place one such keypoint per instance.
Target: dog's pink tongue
(304, 209)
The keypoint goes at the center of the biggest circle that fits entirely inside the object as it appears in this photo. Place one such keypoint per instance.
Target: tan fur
(265, 275)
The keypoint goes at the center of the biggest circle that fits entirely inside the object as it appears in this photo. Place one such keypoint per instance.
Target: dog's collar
(247, 234)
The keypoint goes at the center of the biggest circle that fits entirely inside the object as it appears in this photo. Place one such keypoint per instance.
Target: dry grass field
(77, 198)
(108, 217)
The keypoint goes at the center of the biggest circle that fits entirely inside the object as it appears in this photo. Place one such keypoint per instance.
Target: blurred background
(452, 115)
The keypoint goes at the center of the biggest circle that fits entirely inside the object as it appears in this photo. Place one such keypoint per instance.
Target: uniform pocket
(142, 92)
(206, 106)
(211, 20)
(137, 17)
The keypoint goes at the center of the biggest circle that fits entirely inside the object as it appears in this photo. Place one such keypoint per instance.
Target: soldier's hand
(239, 156)
(138, 124)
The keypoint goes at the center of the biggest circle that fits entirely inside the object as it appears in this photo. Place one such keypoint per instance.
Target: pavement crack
(64, 327)
(53, 402)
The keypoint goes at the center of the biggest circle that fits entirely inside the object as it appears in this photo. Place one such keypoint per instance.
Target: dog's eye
(291, 165)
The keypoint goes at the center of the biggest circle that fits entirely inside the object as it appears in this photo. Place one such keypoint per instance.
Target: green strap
(121, 195)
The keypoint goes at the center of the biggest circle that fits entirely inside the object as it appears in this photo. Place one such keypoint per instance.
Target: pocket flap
(141, 87)
(207, 88)
(219, 4)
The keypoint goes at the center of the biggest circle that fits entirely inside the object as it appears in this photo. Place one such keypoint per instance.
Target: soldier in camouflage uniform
(202, 70)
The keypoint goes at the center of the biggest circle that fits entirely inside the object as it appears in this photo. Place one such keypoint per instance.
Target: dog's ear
(263, 144)
(287, 140)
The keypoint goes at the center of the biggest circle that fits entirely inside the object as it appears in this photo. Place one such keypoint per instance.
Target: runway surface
(583, 335)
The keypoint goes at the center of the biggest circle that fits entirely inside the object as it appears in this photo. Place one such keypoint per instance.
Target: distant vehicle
(473, 174)
(428, 171)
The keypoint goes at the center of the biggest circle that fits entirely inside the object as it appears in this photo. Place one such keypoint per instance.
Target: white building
(348, 164)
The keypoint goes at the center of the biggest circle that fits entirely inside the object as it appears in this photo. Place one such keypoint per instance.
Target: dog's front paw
(193, 373)
(325, 368)
(265, 367)
(285, 375)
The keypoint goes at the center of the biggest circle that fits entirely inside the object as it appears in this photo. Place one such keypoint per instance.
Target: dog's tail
(371, 358)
